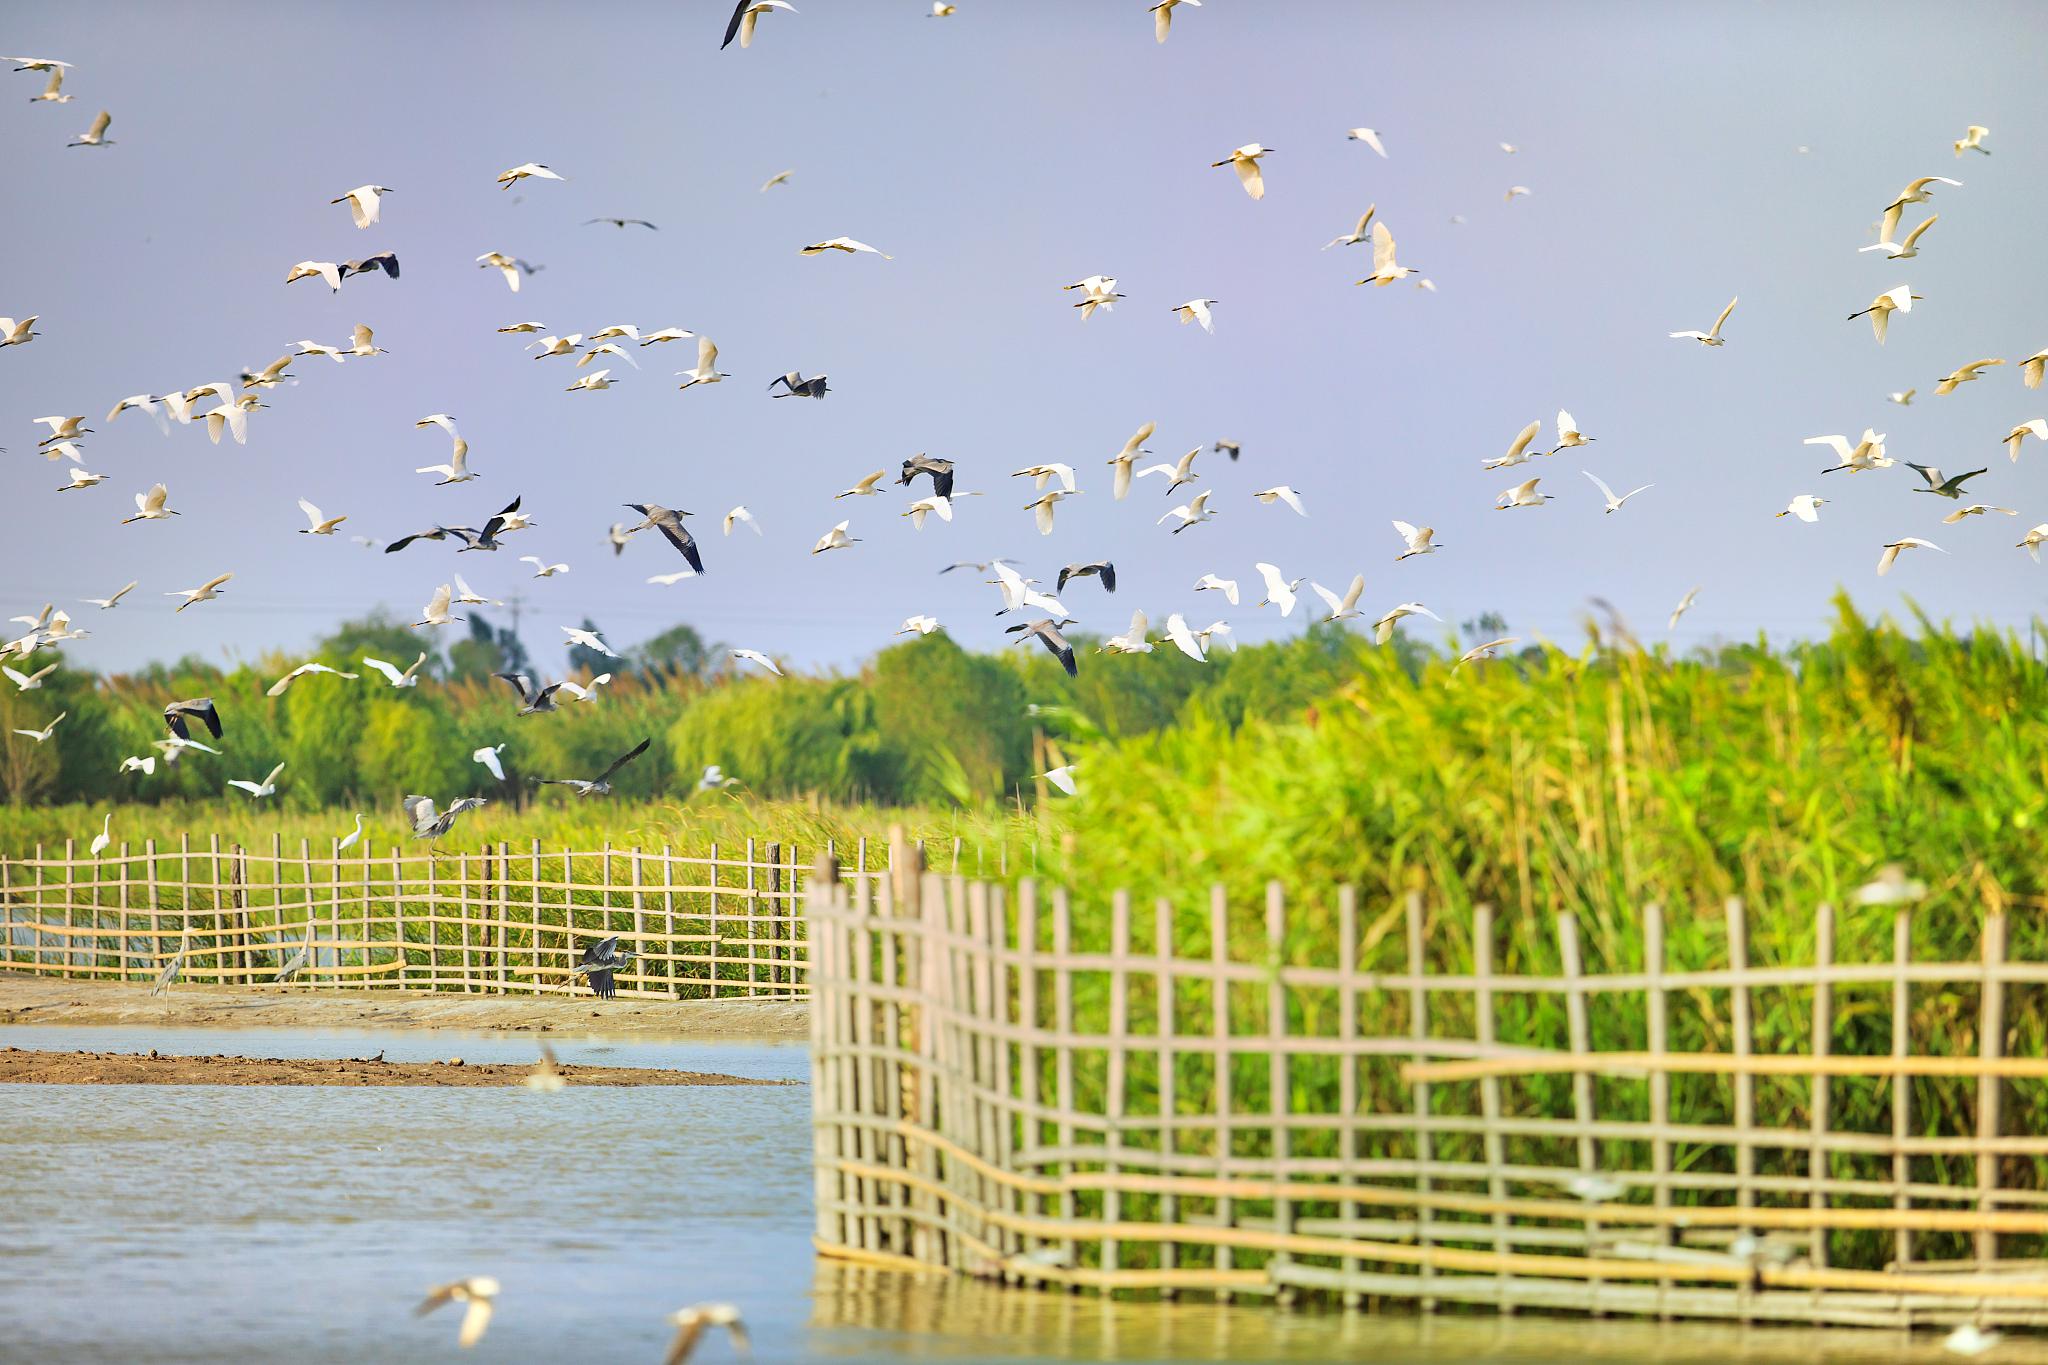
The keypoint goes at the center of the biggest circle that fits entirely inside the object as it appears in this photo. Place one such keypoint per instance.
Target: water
(203, 1223)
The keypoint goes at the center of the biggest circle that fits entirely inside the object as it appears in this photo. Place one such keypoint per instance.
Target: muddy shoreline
(22, 1066)
(43, 1000)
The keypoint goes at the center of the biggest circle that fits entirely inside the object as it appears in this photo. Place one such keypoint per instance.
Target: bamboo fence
(726, 922)
(993, 1100)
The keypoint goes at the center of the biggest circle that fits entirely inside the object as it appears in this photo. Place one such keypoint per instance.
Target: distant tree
(377, 634)
(489, 649)
(680, 649)
(1487, 625)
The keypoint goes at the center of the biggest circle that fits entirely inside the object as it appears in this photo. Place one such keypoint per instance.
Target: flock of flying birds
(227, 409)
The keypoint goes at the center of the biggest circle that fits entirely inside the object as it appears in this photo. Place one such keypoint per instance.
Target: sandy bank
(19, 1067)
(42, 1000)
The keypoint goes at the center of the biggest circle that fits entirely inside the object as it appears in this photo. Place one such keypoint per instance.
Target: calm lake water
(202, 1223)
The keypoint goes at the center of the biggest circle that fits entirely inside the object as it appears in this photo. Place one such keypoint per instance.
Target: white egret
(1568, 433)
(1383, 629)
(1384, 269)
(1245, 161)
(1341, 608)
(479, 1292)
(1523, 494)
(920, 625)
(143, 402)
(1517, 192)
(1892, 549)
(1279, 591)
(1180, 472)
(2037, 428)
(1613, 503)
(1866, 454)
(1518, 449)
(1970, 1339)
(586, 692)
(1368, 137)
(1357, 234)
(1184, 639)
(1899, 300)
(508, 266)
(109, 603)
(408, 678)
(1483, 651)
(707, 371)
(258, 790)
(104, 837)
(1963, 374)
(755, 656)
(436, 610)
(1806, 507)
(363, 342)
(1684, 606)
(1190, 513)
(95, 136)
(865, 488)
(596, 379)
(1972, 140)
(2032, 544)
(1712, 336)
(779, 178)
(488, 756)
(277, 689)
(81, 479)
(917, 511)
(1042, 508)
(1127, 457)
(741, 514)
(526, 170)
(1421, 540)
(1280, 492)
(363, 202)
(14, 333)
(40, 735)
(1903, 397)
(325, 270)
(350, 839)
(835, 539)
(1196, 310)
(321, 524)
(588, 639)
(27, 682)
(746, 15)
(1041, 474)
(541, 570)
(205, 592)
(690, 1323)
(1977, 509)
(1906, 250)
(1209, 582)
(845, 244)
(1132, 641)
(1162, 22)
(53, 93)
(1917, 192)
(610, 348)
(666, 334)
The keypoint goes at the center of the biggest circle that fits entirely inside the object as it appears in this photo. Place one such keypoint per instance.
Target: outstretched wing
(623, 759)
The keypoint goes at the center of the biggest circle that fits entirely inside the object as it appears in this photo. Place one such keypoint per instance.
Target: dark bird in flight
(426, 824)
(1047, 632)
(600, 960)
(178, 713)
(940, 470)
(530, 700)
(1950, 487)
(370, 265)
(622, 222)
(800, 387)
(602, 784)
(1101, 568)
(670, 523)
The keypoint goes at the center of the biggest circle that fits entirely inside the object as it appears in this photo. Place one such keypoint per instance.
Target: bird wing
(489, 758)
(1248, 172)
(1521, 442)
(213, 583)
(1914, 235)
(1599, 483)
(623, 759)
(1329, 598)
(1382, 247)
(312, 513)
(1715, 331)
(521, 684)
(271, 780)
(1184, 639)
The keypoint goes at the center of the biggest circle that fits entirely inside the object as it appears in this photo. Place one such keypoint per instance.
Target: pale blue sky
(998, 154)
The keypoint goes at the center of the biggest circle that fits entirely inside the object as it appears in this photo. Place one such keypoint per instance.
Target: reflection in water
(858, 1312)
(208, 1223)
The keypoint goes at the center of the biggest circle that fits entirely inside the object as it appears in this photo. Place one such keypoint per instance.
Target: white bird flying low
(588, 639)
(1127, 457)
(1899, 300)
(27, 682)
(1893, 547)
(1184, 639)
(755, 656)
(1190, 513)
(109, 603)
(1369, 137)
(1866, 454)
(1523, 494)
(542, 570)
(1806, 507)
(1132, 641)
(1972, 140)
(39, 736)
(1041, 474)
(1963, 374)
(1196, 310)
(1712, 336)
(1421, 540)
(2032, 545)
(205, 592)
(1684, 605)
(258, 790)
(1977, 509)
(920, 625)
(321, 524)
(1384, 268)
(408, 678)
(1162, 24)
(1357, 234)
(1341, 608)
(488, 756)
(277, 689)
(363, 202)
(1614, 503)
(325, 270)
(1906, 250)
(707, 371)
(1245, 161)
(1279, 591)
(1209, 582)
(835, 539)
(2037, 428)
(508, 266)
(845, 244)
(480, 1292)
(526, 170)
(1383, 629)
(1280, 492)
(436, 610)
(923, 507)
(1483, 651)
(95, 136)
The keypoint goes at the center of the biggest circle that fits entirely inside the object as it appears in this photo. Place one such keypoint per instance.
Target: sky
(1675, 156)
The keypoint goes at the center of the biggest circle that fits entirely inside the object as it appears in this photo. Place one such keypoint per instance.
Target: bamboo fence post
(1419, 1093)
(122, 957)
(534, 906)
(1163, 948)
(335, 980)
(777, 914)
(1119, 1030)
(1219, 1025)
(568, 920)
(1279, 1071)
(1347, 1076)
(433, 903)
(754, 926)
(1030, 1080)
(1901, 1086)
(463, 914)
(711, 968)
(277, 934)
(41, 911)
(154, 933)
(220, 975)
(668, 919)
(1990, 1045)
(1823, 1044)
(1489, 1086)
(828, 1184)
(69, 956)
(398, 920)
(311, 969)
(1063, 1055)
(1742, 1029)
(7, 911)
(185, 890)
(1579, 1039)
(639, 924)
(1657, 1042)
(868, 1066)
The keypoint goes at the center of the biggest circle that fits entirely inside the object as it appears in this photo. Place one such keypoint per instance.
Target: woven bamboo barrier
(495, 919)
(1150, 1119)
